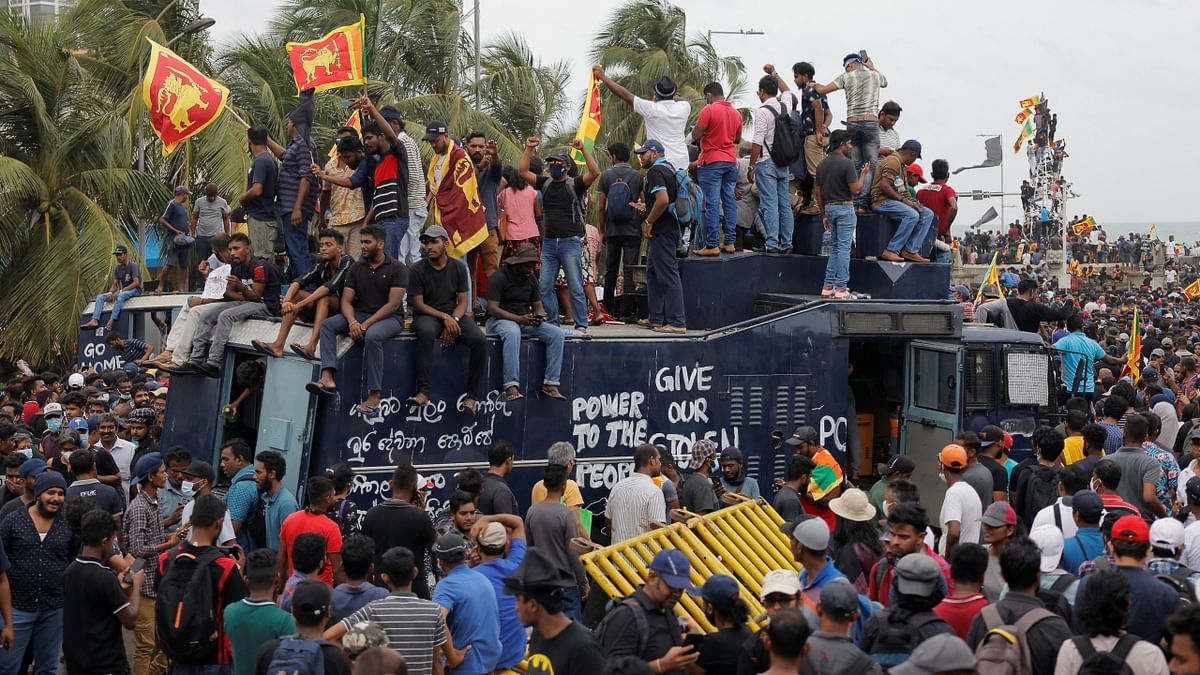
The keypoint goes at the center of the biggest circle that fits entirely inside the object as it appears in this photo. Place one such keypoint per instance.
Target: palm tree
(66, 186)
(646, 39)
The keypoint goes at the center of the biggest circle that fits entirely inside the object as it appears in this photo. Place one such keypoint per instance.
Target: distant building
(39, 11)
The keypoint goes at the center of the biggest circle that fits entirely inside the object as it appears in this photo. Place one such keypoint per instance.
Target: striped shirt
(414, 627)
(633, 505)
(416, 173)
(295, 166)
(143, 533)
(388, 202)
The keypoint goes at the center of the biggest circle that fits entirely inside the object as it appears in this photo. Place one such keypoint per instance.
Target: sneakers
(826, 292)
(708, 252)
(843, 294)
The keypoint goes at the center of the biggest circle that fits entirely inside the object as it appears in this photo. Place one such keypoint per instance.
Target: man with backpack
(563, 232)
(619, 186)
(892, 634)
(1106, 648)
(775, 145)
(198, 582)
(831, 649)
(644, 625)
(307, 652)
(1037, 485)
(1019, 623)
(664, 287)
(1166, 545)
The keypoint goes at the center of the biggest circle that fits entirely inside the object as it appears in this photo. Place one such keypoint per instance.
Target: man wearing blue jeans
(126, 284)
(372, 311)
(37, 542)
(718, 130)
(837, 183)
(890, 197)
(864, 149)
(774, 203)
(515, 310)
(862, 83)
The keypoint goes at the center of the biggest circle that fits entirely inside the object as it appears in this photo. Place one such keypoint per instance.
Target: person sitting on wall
(514, 310)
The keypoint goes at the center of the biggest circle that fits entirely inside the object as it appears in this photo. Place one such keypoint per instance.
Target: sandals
(513, 394)
(467, 406)
(552, 391)
(417, 401)
(319, 389)
(303, 351)
(263, 347)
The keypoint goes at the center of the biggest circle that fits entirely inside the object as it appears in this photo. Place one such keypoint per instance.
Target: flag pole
(1002, 191)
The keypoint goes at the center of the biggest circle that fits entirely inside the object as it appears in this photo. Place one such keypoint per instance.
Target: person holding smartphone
(515, 310)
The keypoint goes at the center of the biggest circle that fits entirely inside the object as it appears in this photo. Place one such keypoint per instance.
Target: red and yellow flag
(1083, 226)
(1030, 102)
(1027, 132)
(182, 101)
(355, 122)
(992, 277)
(457, 205)
(336, 60)
(1133, 356)
(1192, 290)
(1022, 116)
(589, 123)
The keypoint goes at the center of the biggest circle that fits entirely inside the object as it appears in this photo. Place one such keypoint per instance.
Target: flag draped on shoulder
(355, 123)
(1133, 356)
(992, 277)
(182, 101)
(457, 205)
(589, 124)
(336, 60)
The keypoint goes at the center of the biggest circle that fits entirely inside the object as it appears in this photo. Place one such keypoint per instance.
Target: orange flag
(336, 60)
(181, 100)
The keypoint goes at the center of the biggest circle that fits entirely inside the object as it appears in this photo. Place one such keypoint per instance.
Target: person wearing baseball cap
(825, 483)
(780, 591)
(809, 537)
(563, 227)
(471, 601)
(915, 220)
(175, 219)
(961, 507)
(659, 223)
(942, 653)
(667, 578)
(899, 467)
(500, 547)
(126, 284)
(310, 609)
(515, 310)
(831, 646)
(1151, 600)
(1087, 509)
(1166, 547)
(733, 476)
(1049, 540)
(725, 609)
(988, 447)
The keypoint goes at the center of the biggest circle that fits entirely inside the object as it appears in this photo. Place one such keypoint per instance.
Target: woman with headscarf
(1161, 406)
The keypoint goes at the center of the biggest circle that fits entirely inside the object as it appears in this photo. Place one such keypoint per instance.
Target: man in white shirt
(774, 196)
(666, 115)
(636, 505)
(120, 449)
(961, 509)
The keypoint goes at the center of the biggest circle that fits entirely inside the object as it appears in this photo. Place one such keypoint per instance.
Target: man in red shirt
(321, 498)
(718, 130)
(940, 198)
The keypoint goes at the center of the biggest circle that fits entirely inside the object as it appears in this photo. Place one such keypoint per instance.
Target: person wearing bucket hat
(856, 545)
(514, 309)
(666, 115)
(538, 584)
(725, 609)
(653, 638)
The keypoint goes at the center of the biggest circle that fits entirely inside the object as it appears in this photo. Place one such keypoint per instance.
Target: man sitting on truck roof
(312, 297)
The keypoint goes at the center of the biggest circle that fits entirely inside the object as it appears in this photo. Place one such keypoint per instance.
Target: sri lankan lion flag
(355, 122)
(1133, 356)
(589, 124)
(992, 277)
(1083, 226)
(1027, 132)
(1029, 102)
(336, 60)
(182, 101)
(1192, 290)
(456, 203)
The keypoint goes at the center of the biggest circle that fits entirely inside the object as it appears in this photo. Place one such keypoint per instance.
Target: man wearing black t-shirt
(440, 299)
(101, 604)
(371, 298)
(539, 584)
(664, 288)
(253, 290)
(402, 521)
(562, 244)
(515, 310)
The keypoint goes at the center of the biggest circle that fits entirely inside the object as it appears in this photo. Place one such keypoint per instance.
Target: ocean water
(1185, 232)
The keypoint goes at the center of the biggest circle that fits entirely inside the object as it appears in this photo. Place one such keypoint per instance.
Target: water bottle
(826, 243)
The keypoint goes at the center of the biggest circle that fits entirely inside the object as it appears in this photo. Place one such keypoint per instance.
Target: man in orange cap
(961, 509)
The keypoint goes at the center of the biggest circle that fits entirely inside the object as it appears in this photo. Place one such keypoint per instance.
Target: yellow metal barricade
(742, 541)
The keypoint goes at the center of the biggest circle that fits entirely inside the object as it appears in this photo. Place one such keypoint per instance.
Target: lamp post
(200, 24)
(746, 31)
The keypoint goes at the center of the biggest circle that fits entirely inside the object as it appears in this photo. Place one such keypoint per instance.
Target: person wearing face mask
(68, 442)
(23, 445)
(170, 496)
(197, 481)
(52, 415)
(514, 311)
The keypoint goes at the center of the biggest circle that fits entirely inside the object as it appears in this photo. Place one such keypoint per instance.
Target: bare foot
(370, 405)
(418, 400)
(468, 405)
(108, 326)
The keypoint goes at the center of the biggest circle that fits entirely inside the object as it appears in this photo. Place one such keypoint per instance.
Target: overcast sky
(1113, 72)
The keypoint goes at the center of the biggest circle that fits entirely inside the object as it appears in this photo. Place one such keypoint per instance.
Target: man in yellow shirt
(1073, 444)
(563, 454)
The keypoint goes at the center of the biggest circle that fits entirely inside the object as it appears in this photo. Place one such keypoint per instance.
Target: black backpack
(616, 205)
(298, 656)
(1041, 490)
(255, 524)
(897, 639)
(1180, 582)
(786, 144)
(1105, 663)
(185, 615)
(639, 622)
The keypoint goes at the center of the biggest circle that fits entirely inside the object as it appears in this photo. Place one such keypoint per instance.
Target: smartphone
(134, 569)
(862, 54)
(693, 639)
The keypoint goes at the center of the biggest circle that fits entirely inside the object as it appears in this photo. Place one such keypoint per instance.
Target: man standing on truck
(1027, 313)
